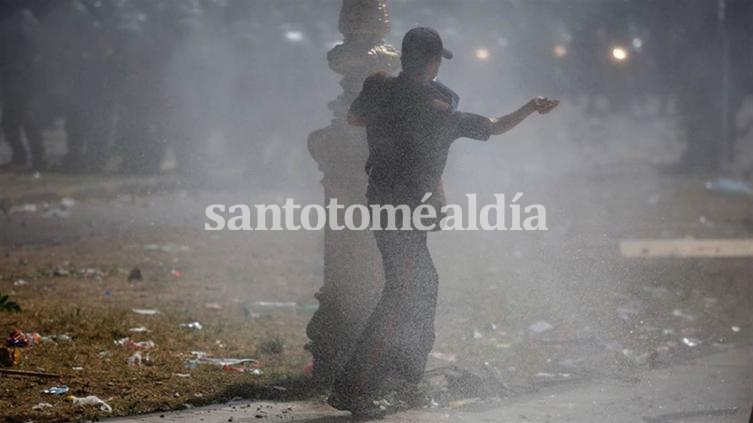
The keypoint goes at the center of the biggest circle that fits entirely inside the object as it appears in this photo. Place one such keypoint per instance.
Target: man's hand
(543, 105)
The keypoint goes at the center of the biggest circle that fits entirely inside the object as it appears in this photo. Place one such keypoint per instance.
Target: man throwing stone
(410, 123)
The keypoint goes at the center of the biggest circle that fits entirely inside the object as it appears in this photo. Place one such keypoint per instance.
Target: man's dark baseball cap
(424, 42)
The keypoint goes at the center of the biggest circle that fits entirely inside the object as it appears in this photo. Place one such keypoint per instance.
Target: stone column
(352, 264)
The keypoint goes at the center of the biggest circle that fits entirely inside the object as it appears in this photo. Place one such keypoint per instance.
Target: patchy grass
(610, 315)
(82, 291)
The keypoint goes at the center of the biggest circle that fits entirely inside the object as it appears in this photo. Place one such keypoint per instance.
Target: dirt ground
(539, 309)
(82, 290)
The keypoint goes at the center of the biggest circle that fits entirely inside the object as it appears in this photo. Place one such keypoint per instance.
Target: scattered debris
(540, 327)
(20, 282)
(545, 375)
(136, 359)
(204, 358)
(729, 186)
(191, 325)
(212, 306)
(679, 313)
(63, 338)
(21, 339)
(177, 273)
(145, 311)
(237, 369)
(23, 208)
(140, 329)
(41, 406)
(735, 329)
(167, 248)
(691, 342)
(60, 272)
(57, 390)
(93, 272)
(67, 202)
(448, 357)
(226, 361)
(704, 221)
(90, 400)
(130, 343)
(262, 307)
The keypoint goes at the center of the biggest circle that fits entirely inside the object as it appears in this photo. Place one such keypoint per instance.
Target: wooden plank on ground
(720, 248)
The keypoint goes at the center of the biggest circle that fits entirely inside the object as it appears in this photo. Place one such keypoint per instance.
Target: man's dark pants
(400, 332)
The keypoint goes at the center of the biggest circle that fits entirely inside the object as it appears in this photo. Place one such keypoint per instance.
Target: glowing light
(560, 50)
(482, 54)
(637, 43)
(294, 36)
(619, 54)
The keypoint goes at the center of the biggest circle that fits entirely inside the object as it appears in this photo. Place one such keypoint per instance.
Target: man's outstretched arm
(539, 104)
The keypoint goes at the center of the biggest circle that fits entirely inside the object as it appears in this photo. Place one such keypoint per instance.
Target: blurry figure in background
(255, 119)
(139, 59)
(190, 84)
(77, 76)
(243, 120)
(19, 77)
(586, 58)
(700, 86)
(699, 99)
(740, 36)
(662, 50)
(410, 125)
